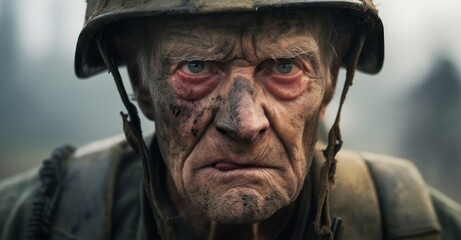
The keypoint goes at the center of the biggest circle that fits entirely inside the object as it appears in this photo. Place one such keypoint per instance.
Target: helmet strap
(131, 126)
(133, 134)
(322, 224)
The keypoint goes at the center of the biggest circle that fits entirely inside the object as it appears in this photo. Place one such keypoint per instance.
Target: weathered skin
(237, 101)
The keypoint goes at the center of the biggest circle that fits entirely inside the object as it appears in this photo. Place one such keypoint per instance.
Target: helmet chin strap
(131, 126)
(322, 224)
(133, 134)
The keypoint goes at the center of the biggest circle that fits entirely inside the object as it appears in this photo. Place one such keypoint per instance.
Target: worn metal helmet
(101, 13)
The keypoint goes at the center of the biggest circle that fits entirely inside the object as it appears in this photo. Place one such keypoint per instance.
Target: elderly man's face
(237, 100)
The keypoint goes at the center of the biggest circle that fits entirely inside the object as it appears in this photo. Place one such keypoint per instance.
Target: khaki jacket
(101, 197)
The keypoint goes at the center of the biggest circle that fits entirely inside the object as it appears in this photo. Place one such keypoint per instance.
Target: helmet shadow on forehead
(126, 37)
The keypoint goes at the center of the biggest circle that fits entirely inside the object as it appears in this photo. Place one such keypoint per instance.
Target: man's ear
(141, 90)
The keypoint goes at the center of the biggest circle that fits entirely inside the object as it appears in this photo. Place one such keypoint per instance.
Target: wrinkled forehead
(218, 34)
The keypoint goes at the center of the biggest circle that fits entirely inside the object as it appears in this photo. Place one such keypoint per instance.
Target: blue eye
(195, 66)
(284, 68)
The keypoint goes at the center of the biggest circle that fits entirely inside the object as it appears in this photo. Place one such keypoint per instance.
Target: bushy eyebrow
(181, 54)
(184, 54)
(190, 46)
(305, 52)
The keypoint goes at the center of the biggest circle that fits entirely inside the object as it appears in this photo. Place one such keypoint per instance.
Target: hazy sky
(415, 31)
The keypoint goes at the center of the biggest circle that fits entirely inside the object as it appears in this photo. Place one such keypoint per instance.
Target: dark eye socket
(195, 66)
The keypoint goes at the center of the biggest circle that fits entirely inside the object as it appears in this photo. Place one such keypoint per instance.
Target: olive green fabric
(409, 213)
(362, 216)
(449, 214)
(389, 198)
(16, 199)
(117, 193)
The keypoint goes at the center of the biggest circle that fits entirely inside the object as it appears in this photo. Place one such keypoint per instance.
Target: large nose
(240, 117)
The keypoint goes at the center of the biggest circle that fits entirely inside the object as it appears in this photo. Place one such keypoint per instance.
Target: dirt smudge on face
(248, 200)
(197, 118)
(175, 109)
(228, 118)
(211, 105)
(199, 115)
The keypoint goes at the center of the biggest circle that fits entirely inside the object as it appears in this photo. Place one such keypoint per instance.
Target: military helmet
(101, 13)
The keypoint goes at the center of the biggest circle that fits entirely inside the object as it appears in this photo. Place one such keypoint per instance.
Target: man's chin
(239, 206)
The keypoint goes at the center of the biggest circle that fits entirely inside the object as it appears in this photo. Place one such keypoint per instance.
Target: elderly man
(237, 90)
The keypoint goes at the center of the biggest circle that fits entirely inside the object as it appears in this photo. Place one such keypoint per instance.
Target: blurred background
(412, 109)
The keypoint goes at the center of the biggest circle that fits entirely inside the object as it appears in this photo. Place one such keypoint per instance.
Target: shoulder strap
(381, 197)
(404, 199)
(354, 198)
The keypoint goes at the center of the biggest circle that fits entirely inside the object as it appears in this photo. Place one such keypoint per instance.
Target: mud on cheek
(171, 116)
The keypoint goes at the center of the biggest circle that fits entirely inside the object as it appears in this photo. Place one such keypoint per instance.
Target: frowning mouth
(228, 166)
(225, 166)
(238, 171)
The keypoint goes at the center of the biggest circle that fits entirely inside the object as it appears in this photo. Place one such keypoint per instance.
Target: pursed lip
(225, 165)
(229, 166)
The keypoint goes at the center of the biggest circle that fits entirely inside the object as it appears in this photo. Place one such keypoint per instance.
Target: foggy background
(412, 109)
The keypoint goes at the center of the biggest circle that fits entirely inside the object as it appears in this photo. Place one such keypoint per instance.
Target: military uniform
(101, 197)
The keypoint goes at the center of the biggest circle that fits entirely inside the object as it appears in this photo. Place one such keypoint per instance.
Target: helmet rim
(88, 62)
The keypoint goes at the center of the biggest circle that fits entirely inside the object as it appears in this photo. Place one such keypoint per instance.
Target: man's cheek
(180, 123)
(169, 112)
